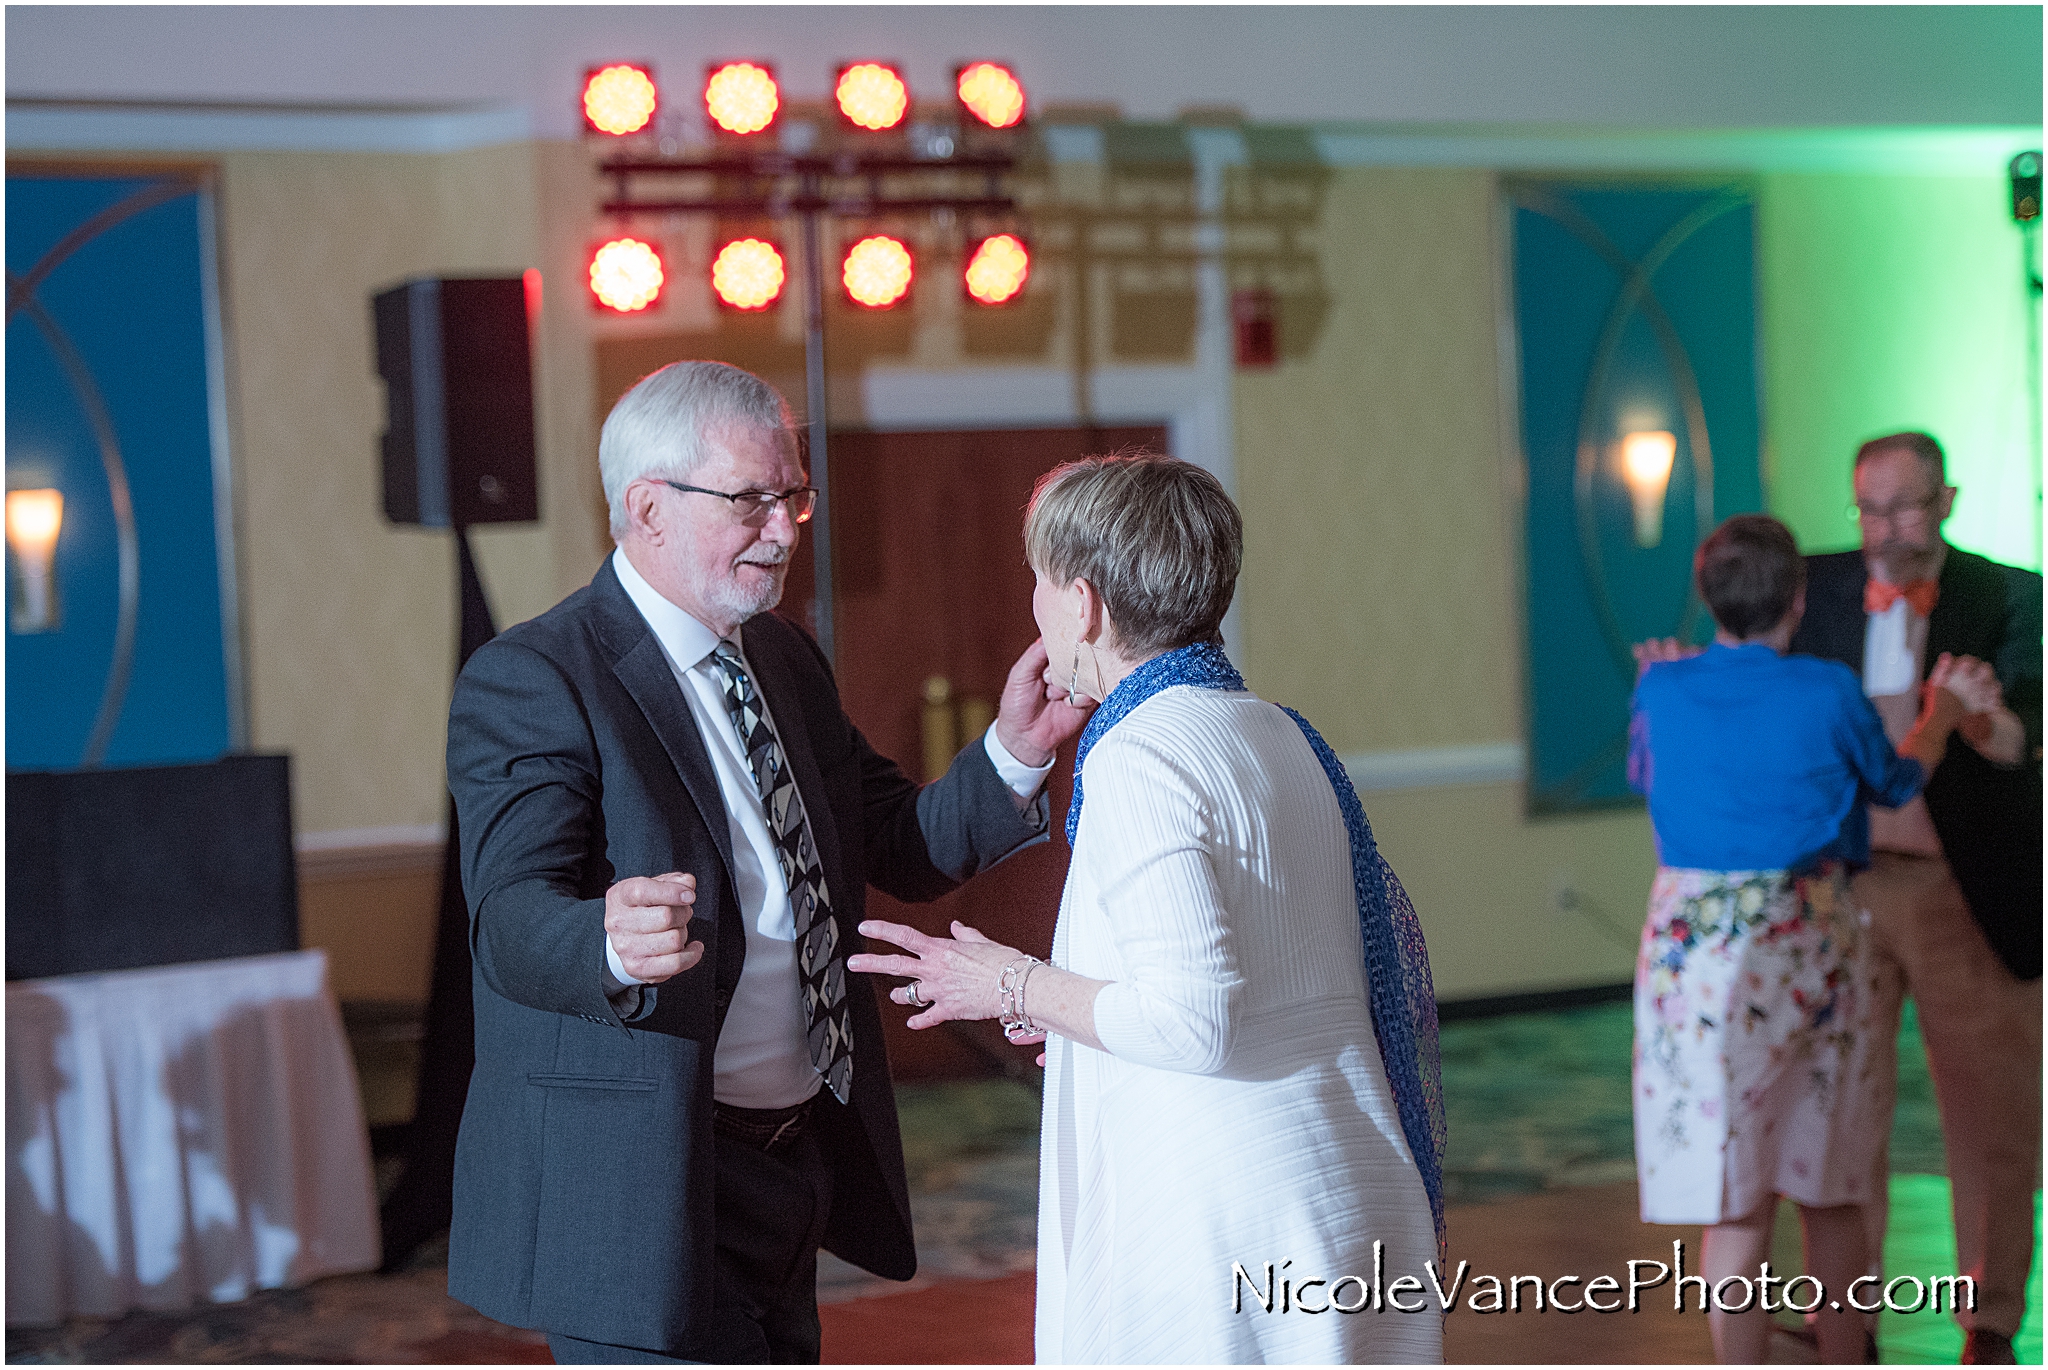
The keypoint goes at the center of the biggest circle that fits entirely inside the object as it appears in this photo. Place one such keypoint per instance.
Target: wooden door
(932, 586)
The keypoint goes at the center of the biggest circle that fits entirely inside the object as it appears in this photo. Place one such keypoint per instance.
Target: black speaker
(458, 384)
(149, 866)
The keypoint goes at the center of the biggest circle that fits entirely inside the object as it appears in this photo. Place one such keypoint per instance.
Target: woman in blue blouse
(1749, 1079)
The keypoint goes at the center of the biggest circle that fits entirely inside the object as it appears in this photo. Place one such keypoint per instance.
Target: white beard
(732, 599)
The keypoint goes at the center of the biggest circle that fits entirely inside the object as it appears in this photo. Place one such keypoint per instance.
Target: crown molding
(1906, 151)
(145, 126)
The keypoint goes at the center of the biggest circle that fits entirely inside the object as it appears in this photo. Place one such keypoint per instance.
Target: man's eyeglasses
(753, 508)
(1906, 511)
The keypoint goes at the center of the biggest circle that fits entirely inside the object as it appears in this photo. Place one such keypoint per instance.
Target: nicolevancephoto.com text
(1275, 1288)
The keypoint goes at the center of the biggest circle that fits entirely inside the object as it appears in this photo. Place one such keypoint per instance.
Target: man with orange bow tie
(1954, 886)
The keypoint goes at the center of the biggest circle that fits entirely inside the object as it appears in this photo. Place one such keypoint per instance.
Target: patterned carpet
(1539, 1112)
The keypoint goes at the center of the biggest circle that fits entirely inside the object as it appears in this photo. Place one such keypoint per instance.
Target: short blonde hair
(1159, 539)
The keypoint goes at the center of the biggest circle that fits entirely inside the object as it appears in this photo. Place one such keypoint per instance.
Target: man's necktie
(821, 960)
(1921, 594)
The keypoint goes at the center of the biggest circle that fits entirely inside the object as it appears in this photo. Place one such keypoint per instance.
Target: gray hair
(658, 427)
(1159, 539)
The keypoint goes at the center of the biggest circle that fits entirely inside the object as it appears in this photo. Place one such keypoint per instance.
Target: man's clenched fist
(647, 918)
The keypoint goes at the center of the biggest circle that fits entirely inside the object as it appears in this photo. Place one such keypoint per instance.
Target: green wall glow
(1894, 302)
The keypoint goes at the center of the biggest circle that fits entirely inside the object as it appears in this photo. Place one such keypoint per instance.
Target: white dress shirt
(1894, 641)
(762, 1059)
(1894, 664)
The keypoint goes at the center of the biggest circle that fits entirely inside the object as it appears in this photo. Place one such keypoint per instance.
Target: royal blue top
(1755, 761)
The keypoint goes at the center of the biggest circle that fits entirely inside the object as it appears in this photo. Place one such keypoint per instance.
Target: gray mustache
(771, 555)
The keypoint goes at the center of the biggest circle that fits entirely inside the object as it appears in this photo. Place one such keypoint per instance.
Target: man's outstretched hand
(1034, 717)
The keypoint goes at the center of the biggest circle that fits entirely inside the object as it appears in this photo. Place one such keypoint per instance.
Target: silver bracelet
(1024, 983)
(1015, 1024)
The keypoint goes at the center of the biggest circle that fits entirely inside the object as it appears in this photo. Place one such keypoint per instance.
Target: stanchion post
(815, 402)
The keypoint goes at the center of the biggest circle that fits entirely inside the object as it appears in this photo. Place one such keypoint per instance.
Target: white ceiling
(1596, 67)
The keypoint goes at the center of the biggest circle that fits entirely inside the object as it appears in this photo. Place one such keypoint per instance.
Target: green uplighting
(1920, 1239)
(1895, 302)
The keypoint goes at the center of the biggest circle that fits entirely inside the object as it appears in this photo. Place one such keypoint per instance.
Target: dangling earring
(1074, 680)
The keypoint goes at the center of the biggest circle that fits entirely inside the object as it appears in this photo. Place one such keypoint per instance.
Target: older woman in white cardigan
(1241, 1145)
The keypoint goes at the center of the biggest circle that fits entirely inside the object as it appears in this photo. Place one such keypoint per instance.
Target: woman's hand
(1994, 730)
(957, 977)
(1972, 681)
(1653, 650)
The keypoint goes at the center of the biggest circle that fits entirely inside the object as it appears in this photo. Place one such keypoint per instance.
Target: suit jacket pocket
(615, 1146)
(624, 1082)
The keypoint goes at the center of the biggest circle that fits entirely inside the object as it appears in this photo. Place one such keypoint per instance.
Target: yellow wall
(1379, 589)
(375, 921)
(1511, 906)
(349, 621)
(1378, 578)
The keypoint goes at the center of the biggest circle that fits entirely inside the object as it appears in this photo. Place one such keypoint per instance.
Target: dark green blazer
(1988, 818)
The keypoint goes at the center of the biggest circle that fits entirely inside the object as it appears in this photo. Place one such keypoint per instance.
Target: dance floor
(1558, 1232)
(1539, 1174)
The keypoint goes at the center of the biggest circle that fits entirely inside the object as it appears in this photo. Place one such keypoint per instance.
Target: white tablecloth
(181, 1135)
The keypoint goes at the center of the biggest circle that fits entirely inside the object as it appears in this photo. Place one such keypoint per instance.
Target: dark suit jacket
(583, 1183)
(1988, 818)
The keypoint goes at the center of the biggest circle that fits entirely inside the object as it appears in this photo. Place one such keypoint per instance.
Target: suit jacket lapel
(784, 707)
(645, 673)
(1835, 622)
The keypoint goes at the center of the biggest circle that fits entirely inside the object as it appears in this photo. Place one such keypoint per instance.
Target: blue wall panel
(132, 302)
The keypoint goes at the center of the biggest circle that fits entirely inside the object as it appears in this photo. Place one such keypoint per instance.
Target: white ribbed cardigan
(1241, 1114)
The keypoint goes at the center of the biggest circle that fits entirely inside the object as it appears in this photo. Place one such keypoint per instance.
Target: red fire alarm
(1254, 319)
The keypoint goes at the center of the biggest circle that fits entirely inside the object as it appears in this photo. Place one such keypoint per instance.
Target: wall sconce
(34, 518)
(1646, 460)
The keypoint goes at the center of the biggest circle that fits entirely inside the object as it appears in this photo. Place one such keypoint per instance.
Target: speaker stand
(421, 1204)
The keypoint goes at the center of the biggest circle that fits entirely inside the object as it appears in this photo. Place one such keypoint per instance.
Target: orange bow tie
(1921, 594)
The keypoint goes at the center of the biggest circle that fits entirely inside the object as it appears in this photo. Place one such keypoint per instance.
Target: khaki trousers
(1982, 1027)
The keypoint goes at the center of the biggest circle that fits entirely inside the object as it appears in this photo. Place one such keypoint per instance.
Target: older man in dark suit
(1954, 886)
(668, 827)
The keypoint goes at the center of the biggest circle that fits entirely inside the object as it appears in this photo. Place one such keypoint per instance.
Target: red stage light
(618, 99)
(872, 95)
(625, 274)
(748, 274)
(992, 94)
(741, 97)
(999, 269)
(877, 271)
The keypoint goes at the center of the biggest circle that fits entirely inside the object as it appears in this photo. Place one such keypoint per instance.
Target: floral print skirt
(1753, 1074)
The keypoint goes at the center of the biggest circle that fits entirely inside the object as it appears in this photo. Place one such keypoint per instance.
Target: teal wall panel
(115, 325)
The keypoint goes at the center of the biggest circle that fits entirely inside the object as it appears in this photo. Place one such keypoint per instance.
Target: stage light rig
(626, 275)
(871, 95)
(742, 97)
(619, 99)
(749, 177)
(877, 271)
(747, 274)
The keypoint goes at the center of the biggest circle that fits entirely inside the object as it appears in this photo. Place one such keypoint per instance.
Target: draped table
(181, 1135)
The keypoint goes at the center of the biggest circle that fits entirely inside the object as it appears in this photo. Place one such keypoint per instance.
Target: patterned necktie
(821, 960)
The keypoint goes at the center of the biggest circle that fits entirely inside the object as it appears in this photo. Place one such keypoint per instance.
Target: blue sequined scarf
(1397, 977)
